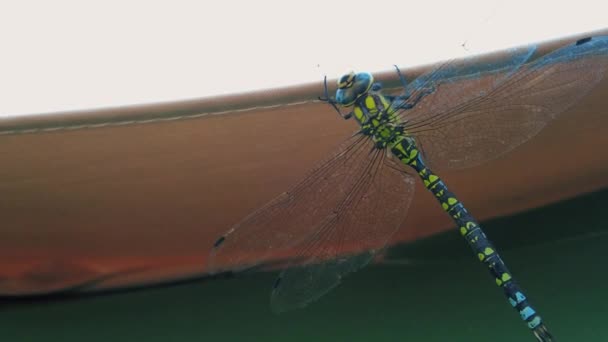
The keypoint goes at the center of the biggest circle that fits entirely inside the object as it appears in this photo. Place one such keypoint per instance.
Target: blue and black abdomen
(405, 149)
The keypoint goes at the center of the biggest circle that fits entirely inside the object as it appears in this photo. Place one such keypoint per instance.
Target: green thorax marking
(377, 119)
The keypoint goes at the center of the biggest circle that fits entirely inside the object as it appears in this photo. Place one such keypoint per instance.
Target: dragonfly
(460, 113)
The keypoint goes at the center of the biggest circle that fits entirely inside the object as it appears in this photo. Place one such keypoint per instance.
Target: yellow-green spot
(506, 277)
(370, 103)
(481, 256)
(401, 149)
(488, 251)
(463, 231)
(452, 201)
(498, 282)
(426, 183)
(384, 102)
(433, 178)
(358, 113)
(445, 206)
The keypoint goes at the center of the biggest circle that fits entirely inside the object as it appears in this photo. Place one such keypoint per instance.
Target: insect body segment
(475, 237)
(372, 110)
(372, 113)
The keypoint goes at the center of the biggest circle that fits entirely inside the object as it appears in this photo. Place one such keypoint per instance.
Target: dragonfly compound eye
(352, 86)
(347, 80)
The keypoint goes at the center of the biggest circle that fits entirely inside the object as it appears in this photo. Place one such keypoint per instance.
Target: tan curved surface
(136, 195)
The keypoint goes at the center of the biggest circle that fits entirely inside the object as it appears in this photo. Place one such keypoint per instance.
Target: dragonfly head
(352, 86)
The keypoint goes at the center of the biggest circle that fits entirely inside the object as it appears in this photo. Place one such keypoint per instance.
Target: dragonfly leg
(401, 77)
(418, 97)
(332, 102)
(421, 93)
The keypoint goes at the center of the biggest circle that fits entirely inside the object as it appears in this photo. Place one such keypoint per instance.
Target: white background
(61, 55)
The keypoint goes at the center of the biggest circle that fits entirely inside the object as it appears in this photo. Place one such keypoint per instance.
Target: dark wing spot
(219, 242)
(583, 41)
(277, 283)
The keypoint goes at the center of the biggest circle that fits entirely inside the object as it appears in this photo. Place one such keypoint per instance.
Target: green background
(432, 290)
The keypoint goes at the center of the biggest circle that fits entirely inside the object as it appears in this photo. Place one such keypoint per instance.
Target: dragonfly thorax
(373, 113)
(371, 109)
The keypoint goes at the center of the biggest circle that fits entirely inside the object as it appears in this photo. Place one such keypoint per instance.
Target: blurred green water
(433, 290)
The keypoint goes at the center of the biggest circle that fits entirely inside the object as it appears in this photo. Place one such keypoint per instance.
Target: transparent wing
(518, 107)
(464, 79)
(269, 235)
(347, 239)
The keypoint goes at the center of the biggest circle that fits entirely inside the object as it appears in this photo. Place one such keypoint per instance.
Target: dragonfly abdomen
(405, 149)
(484, 249)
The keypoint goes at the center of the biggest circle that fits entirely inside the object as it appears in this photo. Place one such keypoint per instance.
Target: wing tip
(583, 40)
(219, 241)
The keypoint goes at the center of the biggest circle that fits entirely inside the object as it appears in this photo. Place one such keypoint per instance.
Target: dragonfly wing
(348, 239)
(265, 236)
(510, 114)
(268, 235)
(465, 79)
